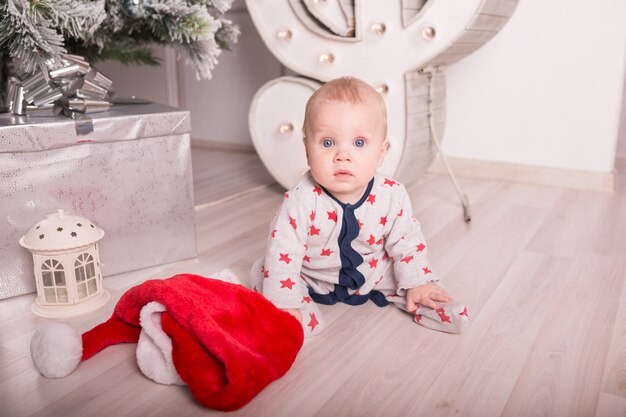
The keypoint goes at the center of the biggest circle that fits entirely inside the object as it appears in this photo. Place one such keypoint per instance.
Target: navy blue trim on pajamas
(341, 294)
(349, 276)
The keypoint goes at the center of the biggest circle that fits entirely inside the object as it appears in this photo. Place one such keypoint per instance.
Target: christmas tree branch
(35, 33)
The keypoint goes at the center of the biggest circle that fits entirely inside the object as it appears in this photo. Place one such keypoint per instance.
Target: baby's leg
(256, 275)
(449, 317)
(313, 322)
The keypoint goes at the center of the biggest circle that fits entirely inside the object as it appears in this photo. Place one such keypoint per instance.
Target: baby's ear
(383, 151)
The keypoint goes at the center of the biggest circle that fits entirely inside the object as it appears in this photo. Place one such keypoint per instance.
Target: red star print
(385, 256)
(360, 224)
(383, 220)
(326, 252)
(420, 247)
(426, 271)
(314, 230)
(306, 299)
(284, 257)
(379, 241)
(442, 315)
(288, 283)
(464, 313)
(332, 215)
(401, 212)
(306, 258)
(418, 317)
(407, 259)
(312, 215)
(317, 190)
(292, 222)
(389, 182)
(371, 198)
(379, 279)
(313, 322)
(306, 246)
(274, 233)
(371, 240)
(266, 273)
(286, 195)
(373, 263)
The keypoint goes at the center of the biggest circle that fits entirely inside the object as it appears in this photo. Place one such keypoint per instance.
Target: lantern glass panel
(91, 271)
(91, 286)
(47, 278)
(62, 295)
(80, 274)
(50, 295)
(82, 290)
(59, 278)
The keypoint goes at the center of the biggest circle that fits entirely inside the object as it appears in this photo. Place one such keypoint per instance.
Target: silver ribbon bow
(74, 88)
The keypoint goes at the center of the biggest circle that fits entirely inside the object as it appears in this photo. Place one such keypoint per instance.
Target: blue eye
(359, 143)
(327, 143)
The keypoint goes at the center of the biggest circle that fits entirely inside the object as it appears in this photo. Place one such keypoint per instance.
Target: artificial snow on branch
(34, 33)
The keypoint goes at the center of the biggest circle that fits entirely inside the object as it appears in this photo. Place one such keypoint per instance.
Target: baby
(345, 232)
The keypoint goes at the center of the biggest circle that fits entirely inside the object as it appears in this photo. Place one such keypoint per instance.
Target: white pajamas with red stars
(322, 250)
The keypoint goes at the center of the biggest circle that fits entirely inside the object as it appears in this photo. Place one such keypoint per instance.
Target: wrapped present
(129, 172)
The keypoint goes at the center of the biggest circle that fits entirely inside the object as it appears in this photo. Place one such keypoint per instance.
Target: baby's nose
(342, 156)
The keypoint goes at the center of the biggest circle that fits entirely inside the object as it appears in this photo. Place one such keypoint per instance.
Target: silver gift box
(131, 176)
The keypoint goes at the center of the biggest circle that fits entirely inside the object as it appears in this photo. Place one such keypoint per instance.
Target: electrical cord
(467, 213)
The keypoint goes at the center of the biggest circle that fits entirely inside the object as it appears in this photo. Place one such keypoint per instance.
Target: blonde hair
(347, 90)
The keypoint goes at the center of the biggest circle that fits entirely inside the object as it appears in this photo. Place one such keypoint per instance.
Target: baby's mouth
(343, 173)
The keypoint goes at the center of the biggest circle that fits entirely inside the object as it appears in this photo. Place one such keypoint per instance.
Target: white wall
(219, 107)
(150, 83)
(546, 91)
(621, 141)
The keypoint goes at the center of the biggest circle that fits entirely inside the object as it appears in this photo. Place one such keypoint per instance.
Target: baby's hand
(426, 295)
(296, 314)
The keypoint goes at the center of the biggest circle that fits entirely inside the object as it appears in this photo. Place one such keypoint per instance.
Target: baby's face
(345, 145)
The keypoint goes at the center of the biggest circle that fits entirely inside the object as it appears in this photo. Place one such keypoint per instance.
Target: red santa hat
(221, 339)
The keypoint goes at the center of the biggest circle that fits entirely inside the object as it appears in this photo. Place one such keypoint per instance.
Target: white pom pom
(56, 349)
(226, 275)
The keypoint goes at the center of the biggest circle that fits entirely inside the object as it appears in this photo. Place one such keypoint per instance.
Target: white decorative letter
(387, 44)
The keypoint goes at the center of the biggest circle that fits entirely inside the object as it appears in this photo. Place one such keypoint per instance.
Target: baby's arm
(286, 248)
(426, 295)
(406, 245)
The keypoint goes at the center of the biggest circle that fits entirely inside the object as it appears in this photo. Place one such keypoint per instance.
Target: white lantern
(67, 265)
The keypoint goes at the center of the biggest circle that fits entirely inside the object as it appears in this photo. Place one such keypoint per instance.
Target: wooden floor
(541, 269)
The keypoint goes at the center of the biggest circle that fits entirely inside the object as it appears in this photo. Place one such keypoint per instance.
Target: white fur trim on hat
(154, 349)
(226, 275)
(56, 349)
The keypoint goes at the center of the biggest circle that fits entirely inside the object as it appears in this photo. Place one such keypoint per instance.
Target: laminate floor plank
(615, 371)
(219, 174)
(542, 270)
(563, 373)
(611, 406)
(573, 223)
(502, 335)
